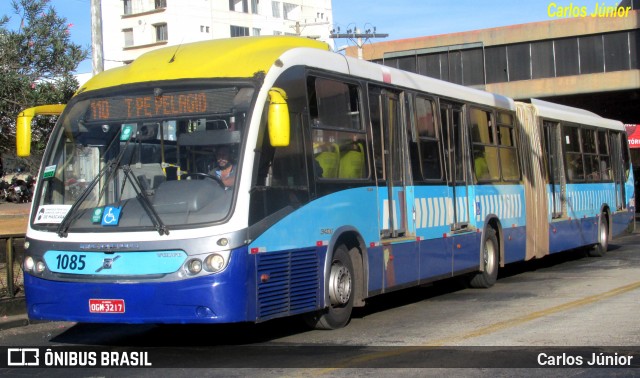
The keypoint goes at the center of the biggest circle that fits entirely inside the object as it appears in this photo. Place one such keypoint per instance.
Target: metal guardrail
(11, 276)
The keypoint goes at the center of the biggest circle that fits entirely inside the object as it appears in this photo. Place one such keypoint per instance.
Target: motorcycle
(13, 192)
(20, 190)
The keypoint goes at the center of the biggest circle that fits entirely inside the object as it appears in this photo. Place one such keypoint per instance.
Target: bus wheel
(340, 285)
(489, 275)
(602, 245)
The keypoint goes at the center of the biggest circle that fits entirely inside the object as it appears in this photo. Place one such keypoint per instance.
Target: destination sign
(169, 104)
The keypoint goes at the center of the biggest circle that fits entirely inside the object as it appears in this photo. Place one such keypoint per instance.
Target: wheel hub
(339, 285)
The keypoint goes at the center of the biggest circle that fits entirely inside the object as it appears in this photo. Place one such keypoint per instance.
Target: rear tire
(490, 261)
(340, 285)
(600, 249)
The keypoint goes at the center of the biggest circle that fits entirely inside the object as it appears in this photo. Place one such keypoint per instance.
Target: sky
(398, 18)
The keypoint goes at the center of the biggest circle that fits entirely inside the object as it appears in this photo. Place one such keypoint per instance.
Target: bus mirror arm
(278, 118)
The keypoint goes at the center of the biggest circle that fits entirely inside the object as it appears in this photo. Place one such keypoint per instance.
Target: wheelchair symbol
(111, 216)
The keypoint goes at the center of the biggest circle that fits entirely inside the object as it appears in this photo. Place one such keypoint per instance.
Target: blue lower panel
(191, 301)
(466, 250)
(400, 264)
(574, 233)
(220, 298)
(251, 288)
(514, 243)
(435, 258)
(621, 221)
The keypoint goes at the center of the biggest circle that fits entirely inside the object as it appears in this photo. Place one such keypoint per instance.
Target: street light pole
(96, 37)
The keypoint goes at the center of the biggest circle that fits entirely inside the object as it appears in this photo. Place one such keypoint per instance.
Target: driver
(224, 170)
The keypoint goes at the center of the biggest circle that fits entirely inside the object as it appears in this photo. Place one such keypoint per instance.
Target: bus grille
(292, 286)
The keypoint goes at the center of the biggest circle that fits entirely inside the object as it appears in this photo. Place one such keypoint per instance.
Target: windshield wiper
(63, 228)
(111, 167)
(144, 201)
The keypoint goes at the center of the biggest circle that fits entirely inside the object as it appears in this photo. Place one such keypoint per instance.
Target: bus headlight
(194, 266)
(214, 263)
(29, 263)
(40, 266)
(32, 265)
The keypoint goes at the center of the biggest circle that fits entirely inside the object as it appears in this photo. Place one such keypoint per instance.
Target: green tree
(37, 60)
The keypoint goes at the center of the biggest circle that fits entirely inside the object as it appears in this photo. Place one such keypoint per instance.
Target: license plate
(106, 306)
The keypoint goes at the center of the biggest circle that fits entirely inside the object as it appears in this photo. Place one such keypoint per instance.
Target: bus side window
(485, 147)
(429, 139)
(342, 157)
(574, 160)
(507, 146)
(603, 152)
(338, 138)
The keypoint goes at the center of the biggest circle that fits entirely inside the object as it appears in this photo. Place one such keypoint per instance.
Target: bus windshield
(153, 158)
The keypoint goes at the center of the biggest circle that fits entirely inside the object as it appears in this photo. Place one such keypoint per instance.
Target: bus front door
(395, 198)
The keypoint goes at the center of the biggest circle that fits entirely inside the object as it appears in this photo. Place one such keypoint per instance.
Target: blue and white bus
(340, 180)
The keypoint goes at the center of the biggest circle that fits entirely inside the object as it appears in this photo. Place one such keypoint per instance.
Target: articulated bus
(252, 178)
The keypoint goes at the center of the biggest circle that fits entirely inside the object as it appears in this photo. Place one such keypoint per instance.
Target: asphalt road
(562, 308)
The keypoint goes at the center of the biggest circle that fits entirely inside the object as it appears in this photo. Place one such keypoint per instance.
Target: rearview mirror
(23, 125)
(278, 118)
(23, 135)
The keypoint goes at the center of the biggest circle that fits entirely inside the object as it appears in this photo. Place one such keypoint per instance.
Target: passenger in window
(604, 170)
(327, 156)
(574, 171)
(481, 166)
(352, 161)
(225, 169)
(329, 160)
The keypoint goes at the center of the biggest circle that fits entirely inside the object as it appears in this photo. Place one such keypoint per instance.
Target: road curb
(15, 321)
(13, 312)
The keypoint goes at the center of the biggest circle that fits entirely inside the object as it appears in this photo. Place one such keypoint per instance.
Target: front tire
(340, 286)
(490, 261)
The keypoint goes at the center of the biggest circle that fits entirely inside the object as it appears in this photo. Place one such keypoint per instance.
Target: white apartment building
(133, 27)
